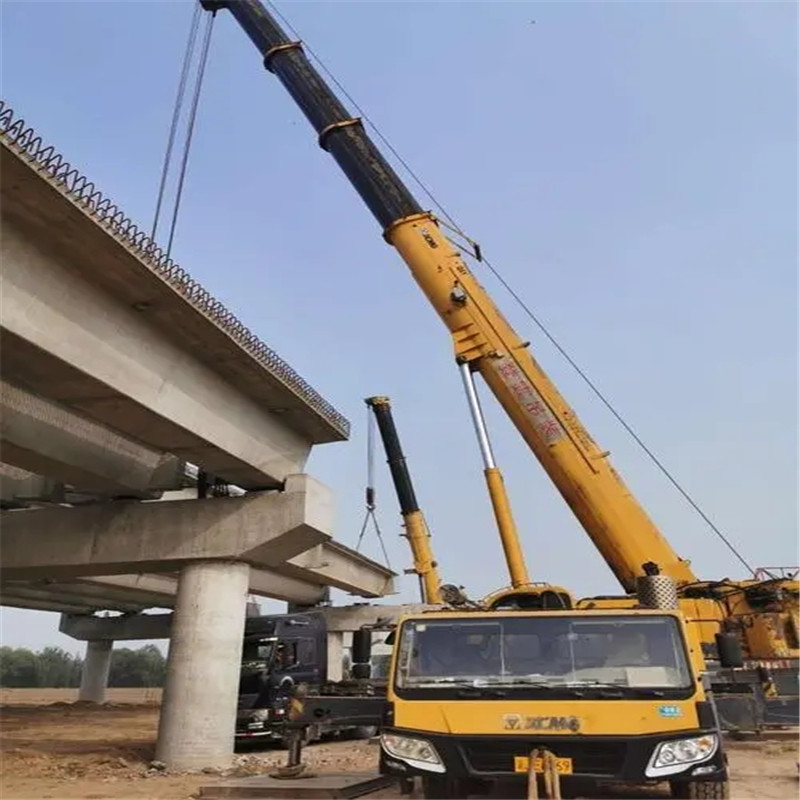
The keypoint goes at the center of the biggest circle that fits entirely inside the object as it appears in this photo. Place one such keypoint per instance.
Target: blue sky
(630, 168)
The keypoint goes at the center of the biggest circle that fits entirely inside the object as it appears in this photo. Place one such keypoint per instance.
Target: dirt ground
(53, 747)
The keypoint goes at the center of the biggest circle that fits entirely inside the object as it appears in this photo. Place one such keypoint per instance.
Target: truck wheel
(440, 787)
(701, 790)
(364, 732)
(313, 733)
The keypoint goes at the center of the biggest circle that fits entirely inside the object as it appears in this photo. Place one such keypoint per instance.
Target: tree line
(54, 668)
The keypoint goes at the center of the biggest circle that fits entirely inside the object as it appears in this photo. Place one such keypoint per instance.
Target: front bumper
(610, 758)
(266, 732)
(249, 728)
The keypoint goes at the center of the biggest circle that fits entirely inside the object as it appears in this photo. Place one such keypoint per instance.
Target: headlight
(671, 757)
(260, 715)
(417, 752)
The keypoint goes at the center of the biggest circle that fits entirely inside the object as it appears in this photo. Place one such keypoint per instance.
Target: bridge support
(94, 676)
(198, 714)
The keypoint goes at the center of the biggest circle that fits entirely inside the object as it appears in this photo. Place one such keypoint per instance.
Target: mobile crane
(678, 741)
(417, 533)
(763, 612)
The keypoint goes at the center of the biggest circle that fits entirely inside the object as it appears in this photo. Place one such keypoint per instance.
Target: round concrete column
(94, 675)
(198, 712)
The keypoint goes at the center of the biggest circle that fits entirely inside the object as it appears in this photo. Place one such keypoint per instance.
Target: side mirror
(361, 649)
(729, 649)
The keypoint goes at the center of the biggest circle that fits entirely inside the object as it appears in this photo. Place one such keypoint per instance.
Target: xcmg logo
(518, 722)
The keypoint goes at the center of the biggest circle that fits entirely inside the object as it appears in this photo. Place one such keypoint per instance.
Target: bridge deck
(58, 210)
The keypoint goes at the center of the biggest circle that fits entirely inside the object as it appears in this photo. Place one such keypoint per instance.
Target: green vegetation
(54, 668)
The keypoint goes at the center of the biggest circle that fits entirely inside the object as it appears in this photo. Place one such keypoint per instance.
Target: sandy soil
(54, 748)
(42, 697)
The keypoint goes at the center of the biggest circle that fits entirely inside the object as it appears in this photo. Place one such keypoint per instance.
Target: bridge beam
(262, 529)
(92, 320)
(43, 437)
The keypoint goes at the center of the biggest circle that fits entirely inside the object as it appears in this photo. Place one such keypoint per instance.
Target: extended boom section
(419, 537)
(342, 135)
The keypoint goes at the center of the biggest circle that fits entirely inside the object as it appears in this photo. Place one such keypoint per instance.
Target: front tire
(701, 790)
(440, 787)
(364, 732)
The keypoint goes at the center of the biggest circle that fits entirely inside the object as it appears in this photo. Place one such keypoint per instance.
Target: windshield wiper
(430, 682)
(466, 687)
(480, 691)
(532, 684)
(509, 680)
(614, 688)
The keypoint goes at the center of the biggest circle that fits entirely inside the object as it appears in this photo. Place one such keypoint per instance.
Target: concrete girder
(263, 582)
(141, 592)
(66, 211)
(93, 319)
(64, 339)
(160, 587)
(135, 593)
(153, 591)
(299, 580)
(127, 593)
(18, 487)
(30, 604)
(344, 619)
(80, 593)
(273, 583)
(45, 438)
(339, 619)
(261, 529)
(344, 568)
(88, 628)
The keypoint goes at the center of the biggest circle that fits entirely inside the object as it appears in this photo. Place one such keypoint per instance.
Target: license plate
(563, 765)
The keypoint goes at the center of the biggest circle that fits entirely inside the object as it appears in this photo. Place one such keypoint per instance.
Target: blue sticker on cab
(670, 711)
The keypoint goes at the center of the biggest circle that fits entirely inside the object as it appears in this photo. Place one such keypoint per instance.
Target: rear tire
(701, 790)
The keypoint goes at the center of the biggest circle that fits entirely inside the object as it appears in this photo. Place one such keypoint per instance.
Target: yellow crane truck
(477, 698)
(490, 692)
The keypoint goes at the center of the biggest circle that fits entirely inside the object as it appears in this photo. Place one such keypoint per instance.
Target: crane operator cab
(614, 696)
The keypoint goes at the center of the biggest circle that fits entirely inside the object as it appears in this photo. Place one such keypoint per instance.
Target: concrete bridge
(153, 449)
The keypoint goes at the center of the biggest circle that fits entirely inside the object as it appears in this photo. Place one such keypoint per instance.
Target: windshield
(257, 649)
(643, 652)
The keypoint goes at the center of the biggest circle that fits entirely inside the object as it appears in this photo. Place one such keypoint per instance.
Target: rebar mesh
(24, 140)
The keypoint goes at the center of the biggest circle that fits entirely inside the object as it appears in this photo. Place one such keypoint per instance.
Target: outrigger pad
(287, 773)
(324, 785)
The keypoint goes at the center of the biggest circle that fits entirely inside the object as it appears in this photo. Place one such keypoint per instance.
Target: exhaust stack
(654, 590)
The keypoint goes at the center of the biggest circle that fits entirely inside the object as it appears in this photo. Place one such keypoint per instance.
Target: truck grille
(588, 758)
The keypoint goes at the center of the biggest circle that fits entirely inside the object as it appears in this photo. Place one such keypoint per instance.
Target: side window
(287, 655)
(306, 652)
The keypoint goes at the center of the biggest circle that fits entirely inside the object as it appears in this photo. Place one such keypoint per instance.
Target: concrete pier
(198, 714)
(94, 677)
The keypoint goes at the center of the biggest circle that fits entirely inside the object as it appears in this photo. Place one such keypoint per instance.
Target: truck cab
(281, 652)
(613, 695)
